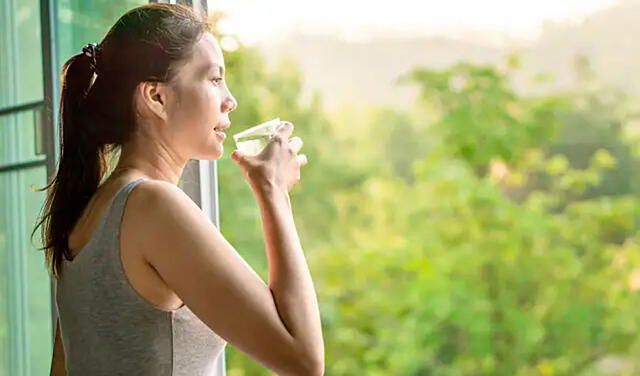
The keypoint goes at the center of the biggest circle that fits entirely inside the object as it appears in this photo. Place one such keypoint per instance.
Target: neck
(151, 160)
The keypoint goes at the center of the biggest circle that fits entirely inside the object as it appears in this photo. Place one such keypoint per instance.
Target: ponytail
(83, 162)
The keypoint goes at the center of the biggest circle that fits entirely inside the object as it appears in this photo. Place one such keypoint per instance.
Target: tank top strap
(110, 232)
(115, 210)
(120, 198)
(107, 227)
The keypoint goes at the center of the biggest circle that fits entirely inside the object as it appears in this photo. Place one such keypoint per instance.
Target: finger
(285, 129)
(302, 159)
(237, 156)
(295, 143)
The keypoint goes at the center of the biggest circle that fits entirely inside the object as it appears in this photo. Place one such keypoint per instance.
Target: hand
(277, 166)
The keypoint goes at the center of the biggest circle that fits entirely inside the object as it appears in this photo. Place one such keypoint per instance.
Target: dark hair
(147, 43)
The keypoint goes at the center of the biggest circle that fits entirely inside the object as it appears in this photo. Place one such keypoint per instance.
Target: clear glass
(20, 59)
(17, 137)
(251, 141)
(25, 295)
(25, 318)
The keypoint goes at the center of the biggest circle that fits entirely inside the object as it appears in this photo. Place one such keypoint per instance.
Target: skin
(171, 252)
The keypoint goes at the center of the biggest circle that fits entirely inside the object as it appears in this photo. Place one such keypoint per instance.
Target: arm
(278, 327)
(289, 277)
(58, 361)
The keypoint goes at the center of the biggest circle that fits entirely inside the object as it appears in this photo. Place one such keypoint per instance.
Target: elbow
(303, 366)
(318, 370)
(313, 367)
(304, 361)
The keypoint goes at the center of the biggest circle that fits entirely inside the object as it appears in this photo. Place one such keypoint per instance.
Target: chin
(217, 154)
(211, 155)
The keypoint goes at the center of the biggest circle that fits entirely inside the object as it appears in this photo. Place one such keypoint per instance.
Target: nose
(230, 103)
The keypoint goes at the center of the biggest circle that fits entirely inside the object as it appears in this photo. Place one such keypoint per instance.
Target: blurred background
(471, 202)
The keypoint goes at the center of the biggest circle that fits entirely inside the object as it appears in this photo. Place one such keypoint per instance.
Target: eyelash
(217, 79)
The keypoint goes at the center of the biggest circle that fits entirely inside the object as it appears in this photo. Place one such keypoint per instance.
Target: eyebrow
(212, 66)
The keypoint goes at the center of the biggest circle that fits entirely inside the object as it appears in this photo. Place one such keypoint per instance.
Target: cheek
(210, 106)
(208, 101)
(213, 98)
(199, 108)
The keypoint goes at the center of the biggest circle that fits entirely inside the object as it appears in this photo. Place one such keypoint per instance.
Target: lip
(223, 127)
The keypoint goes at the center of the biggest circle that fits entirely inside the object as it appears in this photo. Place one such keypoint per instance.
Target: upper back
(107, 328)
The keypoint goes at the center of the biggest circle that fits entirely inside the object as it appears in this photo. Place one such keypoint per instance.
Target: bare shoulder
(153, 196)
(166, 221)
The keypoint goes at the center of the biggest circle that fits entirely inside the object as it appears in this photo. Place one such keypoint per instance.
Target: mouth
(219, 131)
(223, 127)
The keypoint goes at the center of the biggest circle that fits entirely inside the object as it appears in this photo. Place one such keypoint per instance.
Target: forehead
(207, 56)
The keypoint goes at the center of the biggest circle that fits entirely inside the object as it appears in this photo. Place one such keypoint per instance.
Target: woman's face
(201, 101)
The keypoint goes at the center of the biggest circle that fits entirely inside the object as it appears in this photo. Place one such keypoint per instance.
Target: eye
(217, 80)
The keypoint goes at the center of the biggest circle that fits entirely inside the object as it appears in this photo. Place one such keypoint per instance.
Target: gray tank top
(108, 329)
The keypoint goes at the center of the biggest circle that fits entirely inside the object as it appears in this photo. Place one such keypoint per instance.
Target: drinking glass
(251, 141)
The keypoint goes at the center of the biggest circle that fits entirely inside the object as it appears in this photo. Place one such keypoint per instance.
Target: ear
(153, 98)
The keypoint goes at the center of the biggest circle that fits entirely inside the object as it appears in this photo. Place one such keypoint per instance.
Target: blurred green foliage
(481, 233)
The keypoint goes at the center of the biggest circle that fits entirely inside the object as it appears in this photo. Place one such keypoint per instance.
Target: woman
(146, 284)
